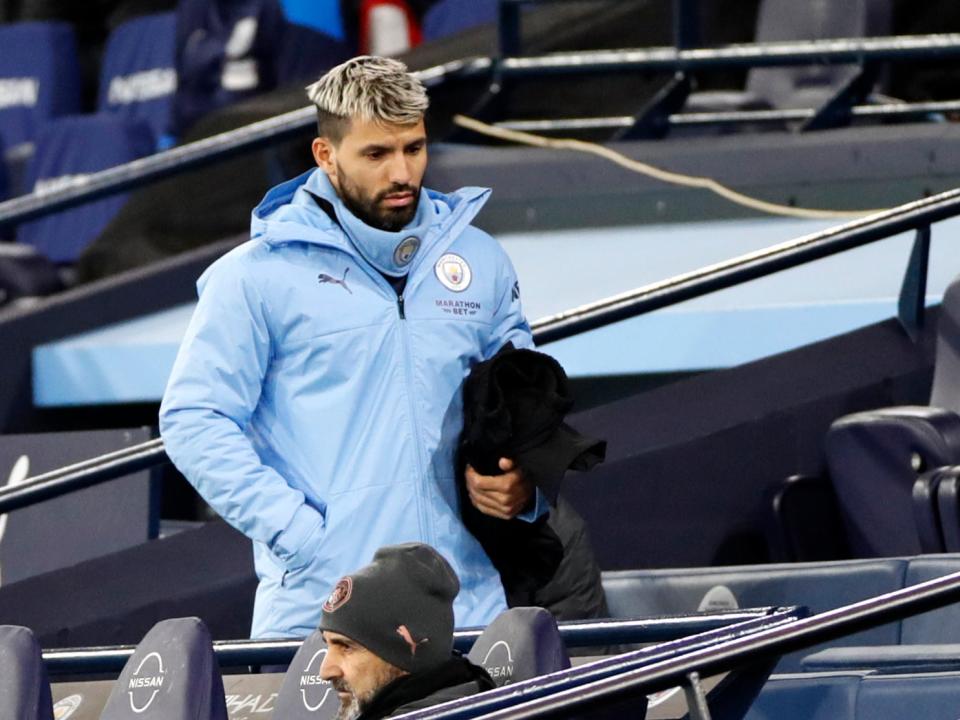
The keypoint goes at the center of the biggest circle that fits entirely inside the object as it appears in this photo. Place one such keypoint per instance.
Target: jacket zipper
(426, 528)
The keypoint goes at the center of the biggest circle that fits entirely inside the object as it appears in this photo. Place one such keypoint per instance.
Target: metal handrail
(238, 653)
(272, 130)
(731, 117)
(918, 215)
(544, 696)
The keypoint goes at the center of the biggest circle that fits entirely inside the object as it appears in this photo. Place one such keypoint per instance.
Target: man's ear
(325, 155)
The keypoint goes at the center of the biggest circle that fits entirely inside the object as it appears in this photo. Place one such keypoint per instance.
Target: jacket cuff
(300, 542)
(539, 507)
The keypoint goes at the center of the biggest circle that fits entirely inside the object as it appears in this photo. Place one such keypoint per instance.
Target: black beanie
(399, 607)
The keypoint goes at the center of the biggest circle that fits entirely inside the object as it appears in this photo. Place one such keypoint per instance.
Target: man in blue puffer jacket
(316, 399)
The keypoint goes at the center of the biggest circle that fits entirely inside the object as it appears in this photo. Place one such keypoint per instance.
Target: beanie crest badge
(403, 632)
(339, 595)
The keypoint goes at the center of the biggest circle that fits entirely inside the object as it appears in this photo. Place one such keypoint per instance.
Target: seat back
(811, 85)
(172, 675)
(818, 586)
(67, 150)
(948, 508)
(304, 695)
(894, 697)
(874, 459)
(39, 78)
(946, 372)
(138, 76)
(807, 696)
(936, 626)
(24, 687)
(449, 17)
(521, 643)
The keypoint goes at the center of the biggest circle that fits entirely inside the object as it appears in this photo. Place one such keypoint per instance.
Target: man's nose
(400, 170)
(329, 669)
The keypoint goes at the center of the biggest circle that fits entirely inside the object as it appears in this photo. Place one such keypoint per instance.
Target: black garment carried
(514, 406)
(455, 678)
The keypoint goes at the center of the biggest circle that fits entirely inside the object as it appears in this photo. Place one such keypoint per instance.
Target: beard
(371, 210)
(359, 700)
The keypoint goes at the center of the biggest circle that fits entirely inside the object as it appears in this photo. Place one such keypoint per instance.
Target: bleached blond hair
(367, 88)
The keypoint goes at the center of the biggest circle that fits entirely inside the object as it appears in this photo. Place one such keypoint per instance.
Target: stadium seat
(876, 457)
(948, 507)
(812, 85)
(818, 586)
(935, 626)
(39, 79)
(172, 675)
(226, 51)
(521, 643)
(67, 150)
(808, 696)
(303, 695)
(138, 76)
(933, 696)
(449, 17)
(807, 86)
(24, 687)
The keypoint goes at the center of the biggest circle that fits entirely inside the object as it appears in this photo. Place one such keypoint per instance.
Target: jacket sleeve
(510, 325)
(213, 390)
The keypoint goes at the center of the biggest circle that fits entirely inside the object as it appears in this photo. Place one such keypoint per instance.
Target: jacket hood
(289, 214)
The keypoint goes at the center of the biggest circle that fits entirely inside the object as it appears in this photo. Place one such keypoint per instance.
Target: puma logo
(408, 639)
(324, 278)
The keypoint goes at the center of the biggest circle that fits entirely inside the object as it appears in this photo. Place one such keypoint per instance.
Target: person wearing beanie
(389, 634)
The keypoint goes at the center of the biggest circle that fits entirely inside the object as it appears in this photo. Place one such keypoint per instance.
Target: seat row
(818, 586)
(174, 674)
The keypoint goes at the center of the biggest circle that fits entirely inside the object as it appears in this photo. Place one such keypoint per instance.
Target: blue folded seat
(68, 150)
(138, 75)
(39, 78)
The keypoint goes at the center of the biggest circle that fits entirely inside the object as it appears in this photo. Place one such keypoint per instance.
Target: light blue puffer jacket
(319, 414)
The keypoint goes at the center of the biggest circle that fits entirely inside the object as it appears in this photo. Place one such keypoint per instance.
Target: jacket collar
(290, 214)
(456, 677)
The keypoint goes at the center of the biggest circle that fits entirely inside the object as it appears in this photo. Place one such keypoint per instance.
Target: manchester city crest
(453, 272)
(405, 251)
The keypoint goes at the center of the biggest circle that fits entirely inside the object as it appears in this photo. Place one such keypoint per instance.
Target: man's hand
(501, 496)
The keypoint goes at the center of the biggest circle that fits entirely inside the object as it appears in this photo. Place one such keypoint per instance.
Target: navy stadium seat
(68, 149)
(226, 51)
(138, 76)
(801, 86)
(900, 697)
(948, 507)
(521, 643)
(24, 687)
(807, 696)
(39, 79)
(935, 626)
(818, 586)
(172, 675)
(876, 457)
(449, 17)
(304, 695)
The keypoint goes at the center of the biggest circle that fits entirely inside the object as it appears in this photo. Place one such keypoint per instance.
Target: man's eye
(414, 149)
(375, 154)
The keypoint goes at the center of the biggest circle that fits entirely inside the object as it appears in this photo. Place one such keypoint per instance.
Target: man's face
(377, 170)
(355, 673)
